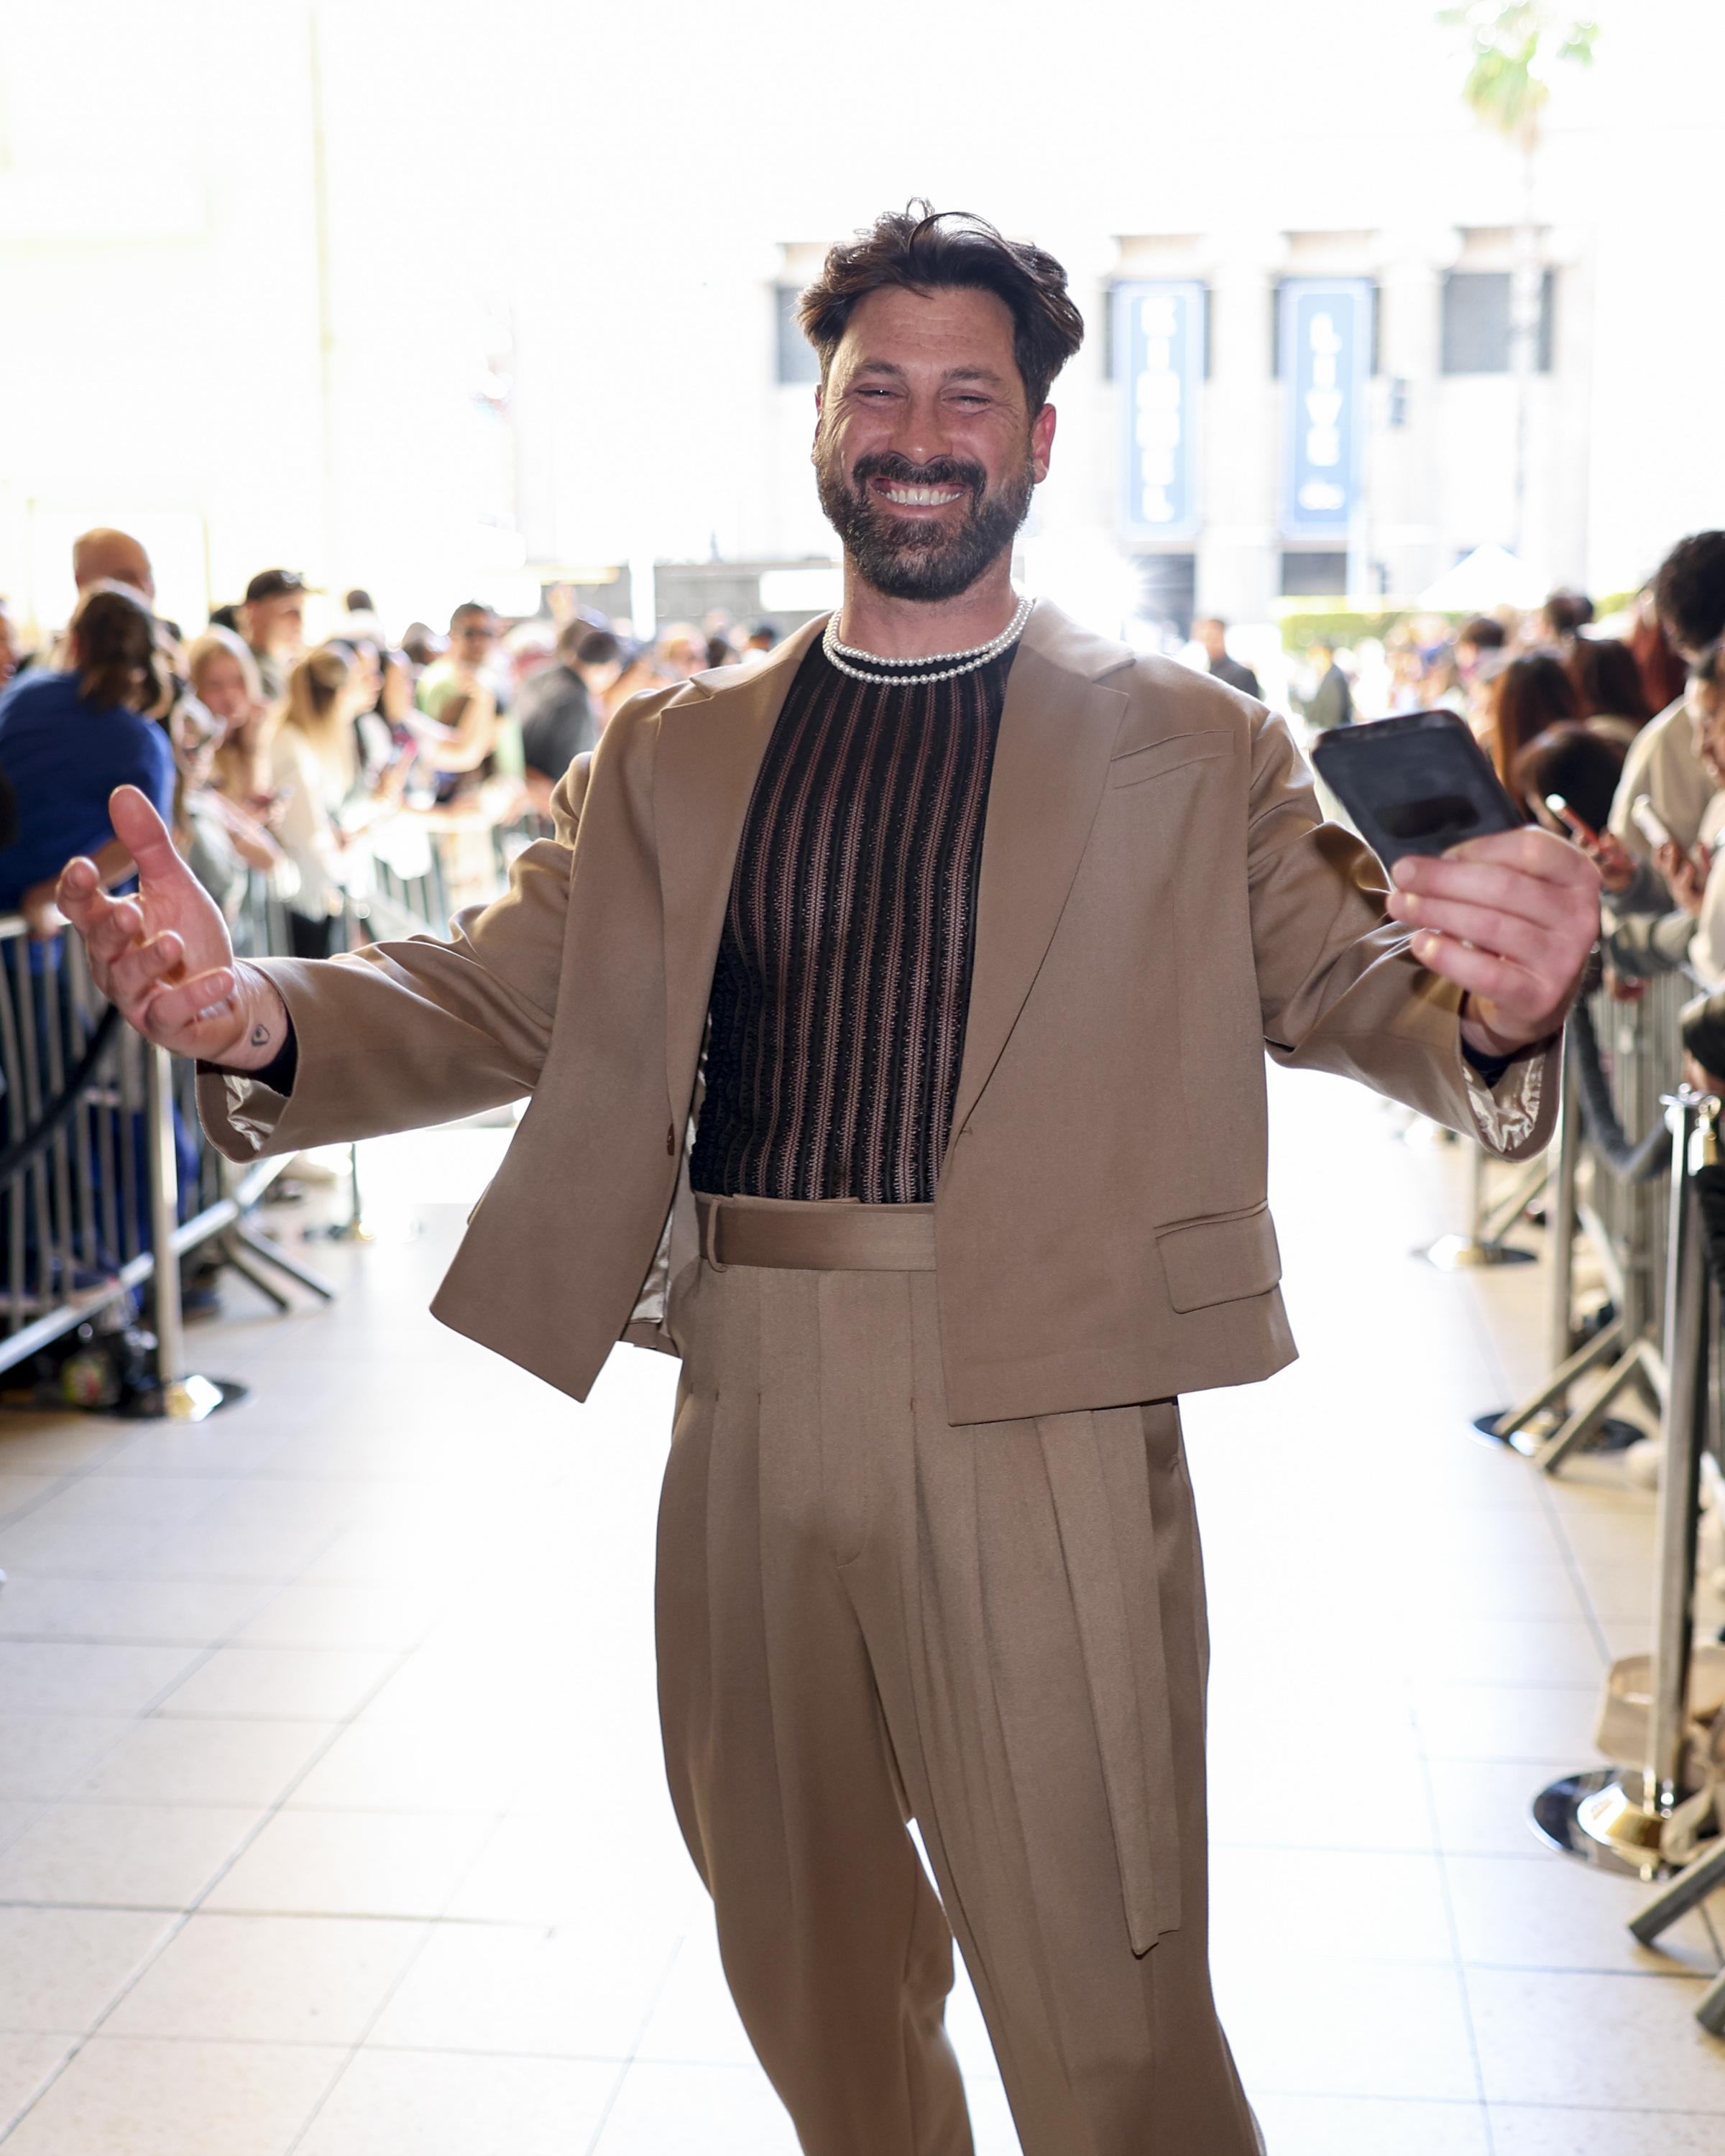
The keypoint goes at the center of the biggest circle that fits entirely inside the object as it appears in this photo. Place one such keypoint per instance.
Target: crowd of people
(1610, 733)
(308, 764)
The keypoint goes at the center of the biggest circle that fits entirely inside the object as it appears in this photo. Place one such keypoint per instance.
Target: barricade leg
(1705, 1875)
(183, 1396)
(1483, 1244)
(1641, 1821)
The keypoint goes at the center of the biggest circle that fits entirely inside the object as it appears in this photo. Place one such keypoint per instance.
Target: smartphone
(1559, 807)
(1418, 783)
(1649, 824)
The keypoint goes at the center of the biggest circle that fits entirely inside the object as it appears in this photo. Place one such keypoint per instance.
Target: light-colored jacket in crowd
(1158, 904)
(1664, 762)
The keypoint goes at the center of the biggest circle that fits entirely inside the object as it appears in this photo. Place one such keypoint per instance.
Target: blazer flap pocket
(1220, 1260)
(1138, 764)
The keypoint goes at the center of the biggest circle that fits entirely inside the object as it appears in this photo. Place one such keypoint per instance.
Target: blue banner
(1158, 363)
(1325, 358)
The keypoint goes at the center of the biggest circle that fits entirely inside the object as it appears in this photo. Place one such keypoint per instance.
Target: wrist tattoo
(261, 1036)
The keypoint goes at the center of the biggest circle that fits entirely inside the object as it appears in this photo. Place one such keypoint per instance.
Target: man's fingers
(1499, 981)
(144, 835)
(143, 967)
(79, 894)
(1511, 934)
(1499, 883)
(1533, 851)
(116, 928)
(199, 1005)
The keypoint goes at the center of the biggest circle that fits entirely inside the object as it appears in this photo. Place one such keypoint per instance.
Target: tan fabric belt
(841, 1237)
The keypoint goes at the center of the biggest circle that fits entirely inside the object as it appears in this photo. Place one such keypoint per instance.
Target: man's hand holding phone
(1511, 918)
(164, 956)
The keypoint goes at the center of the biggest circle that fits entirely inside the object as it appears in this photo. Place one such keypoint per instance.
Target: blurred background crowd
(311, 763)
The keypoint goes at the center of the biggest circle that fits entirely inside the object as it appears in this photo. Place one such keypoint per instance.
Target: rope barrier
(17, 1156)
(1644, 1162)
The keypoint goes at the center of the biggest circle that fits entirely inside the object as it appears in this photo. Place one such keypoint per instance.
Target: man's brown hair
(928, 250)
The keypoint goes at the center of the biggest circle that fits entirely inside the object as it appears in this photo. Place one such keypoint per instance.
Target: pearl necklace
(958, 662)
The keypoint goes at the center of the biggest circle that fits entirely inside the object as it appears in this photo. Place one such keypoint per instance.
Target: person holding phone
(977, 928)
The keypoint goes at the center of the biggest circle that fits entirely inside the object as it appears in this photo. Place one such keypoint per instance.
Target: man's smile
(903, 496)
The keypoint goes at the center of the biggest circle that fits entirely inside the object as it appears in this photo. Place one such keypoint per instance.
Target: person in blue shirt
(68, 739)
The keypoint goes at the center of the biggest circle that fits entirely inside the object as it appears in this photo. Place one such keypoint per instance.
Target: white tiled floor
(331, 1817)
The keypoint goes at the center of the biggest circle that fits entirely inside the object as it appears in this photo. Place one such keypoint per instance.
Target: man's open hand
(164, 956)
(1512, 919)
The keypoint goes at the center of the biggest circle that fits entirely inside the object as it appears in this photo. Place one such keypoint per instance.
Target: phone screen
(1418, 783)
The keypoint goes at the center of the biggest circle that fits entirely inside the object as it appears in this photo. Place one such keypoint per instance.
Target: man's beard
(903, 557)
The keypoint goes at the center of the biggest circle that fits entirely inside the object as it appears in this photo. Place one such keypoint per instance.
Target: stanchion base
(1460, 1254)
(1613, 1435)
(1598, 1816)
(187, 1399)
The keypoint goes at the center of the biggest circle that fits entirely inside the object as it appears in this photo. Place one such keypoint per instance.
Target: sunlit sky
(615, 185)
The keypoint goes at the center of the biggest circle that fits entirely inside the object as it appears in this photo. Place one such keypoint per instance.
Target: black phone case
(1417, 783)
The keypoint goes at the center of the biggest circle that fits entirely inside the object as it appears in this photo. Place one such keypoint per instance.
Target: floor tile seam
(138, 1715)
(531, 1925)
(1453, 1929)
(1555, 1685)
(1674, 1974)
(1572, 1562)
(154, 1643)
(632, 2058)
(72, 1476)
(1260, 2087)
(392, 1991)
(189, 1910)
(1590, 2110)
(9, 2125)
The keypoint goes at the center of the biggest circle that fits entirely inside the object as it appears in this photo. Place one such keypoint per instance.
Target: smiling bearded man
(976, 927)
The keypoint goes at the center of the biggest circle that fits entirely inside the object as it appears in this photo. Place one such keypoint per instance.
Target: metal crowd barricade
(1607, 1177)
(102, 1162)
(103, 1168)
(1649, 1820)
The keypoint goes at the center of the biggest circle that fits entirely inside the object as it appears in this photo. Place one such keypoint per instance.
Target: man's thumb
(142, 832)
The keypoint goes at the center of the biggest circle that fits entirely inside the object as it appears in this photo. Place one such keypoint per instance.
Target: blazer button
(671, 1140)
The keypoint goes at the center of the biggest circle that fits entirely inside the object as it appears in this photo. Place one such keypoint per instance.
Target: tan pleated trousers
(866, 1614)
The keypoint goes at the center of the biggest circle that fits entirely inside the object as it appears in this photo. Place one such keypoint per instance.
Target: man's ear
(1042, 435)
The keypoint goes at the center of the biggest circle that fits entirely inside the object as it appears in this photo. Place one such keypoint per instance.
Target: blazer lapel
(710, 750)
(1057, 732)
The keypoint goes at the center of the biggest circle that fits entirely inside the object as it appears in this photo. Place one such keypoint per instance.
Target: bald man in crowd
(104, 556)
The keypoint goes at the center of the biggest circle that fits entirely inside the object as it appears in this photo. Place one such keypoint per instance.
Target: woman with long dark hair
(1530, 695)
(68, 739)
(1609, 683)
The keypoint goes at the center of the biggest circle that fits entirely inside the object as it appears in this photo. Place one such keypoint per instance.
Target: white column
(1404, 482)
(1239, 550)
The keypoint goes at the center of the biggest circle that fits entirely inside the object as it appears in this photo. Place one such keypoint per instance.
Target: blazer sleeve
(1338, 987)
(401, 1035)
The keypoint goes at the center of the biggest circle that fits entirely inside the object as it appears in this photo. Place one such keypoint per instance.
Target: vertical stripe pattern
(840, 995)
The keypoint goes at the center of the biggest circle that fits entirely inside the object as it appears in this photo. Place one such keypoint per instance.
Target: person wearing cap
(273, 622)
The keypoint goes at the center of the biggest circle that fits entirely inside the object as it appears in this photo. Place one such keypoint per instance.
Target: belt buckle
(708, 1212)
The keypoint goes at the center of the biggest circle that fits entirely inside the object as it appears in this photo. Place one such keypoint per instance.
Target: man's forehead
(959, 324)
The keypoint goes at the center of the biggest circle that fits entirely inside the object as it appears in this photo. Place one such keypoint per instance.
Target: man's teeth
(919, 497)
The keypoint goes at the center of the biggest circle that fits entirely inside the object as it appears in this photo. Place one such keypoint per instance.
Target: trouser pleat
(865, 1610)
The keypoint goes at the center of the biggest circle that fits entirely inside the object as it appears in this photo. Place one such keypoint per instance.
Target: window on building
(798, 359)
(1476, 322)
(1309, 575)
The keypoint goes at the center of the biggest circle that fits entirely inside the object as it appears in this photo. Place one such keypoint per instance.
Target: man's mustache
(938, 471)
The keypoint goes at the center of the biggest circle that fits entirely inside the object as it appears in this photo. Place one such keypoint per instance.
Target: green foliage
(1514, 46)
(1339, 628)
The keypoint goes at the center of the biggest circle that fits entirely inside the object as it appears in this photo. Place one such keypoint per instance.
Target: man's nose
(921, 434)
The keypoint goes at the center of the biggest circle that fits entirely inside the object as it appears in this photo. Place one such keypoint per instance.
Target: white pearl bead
(978, 656)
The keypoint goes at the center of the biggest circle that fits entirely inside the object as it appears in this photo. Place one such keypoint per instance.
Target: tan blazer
(1159, 904)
